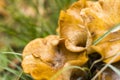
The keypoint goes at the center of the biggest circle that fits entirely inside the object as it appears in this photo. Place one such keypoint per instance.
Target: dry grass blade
(118, 54)
(65, 69)
(19, 76)
(114, 69)
(19, 54)
(117, 27)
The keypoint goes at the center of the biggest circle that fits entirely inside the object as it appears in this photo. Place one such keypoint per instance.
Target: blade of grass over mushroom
(96, 61)
(117, 27)
(114, 69)
(65, 69)
(118, 54)
(99, 61)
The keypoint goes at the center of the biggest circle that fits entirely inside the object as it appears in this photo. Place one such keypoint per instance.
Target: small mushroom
(72, 28)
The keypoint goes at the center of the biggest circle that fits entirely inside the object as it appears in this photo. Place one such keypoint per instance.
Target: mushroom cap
(109, 47)
(83, 21)
(73, 29)
(41, 58)
(37, 68)
(100, 17)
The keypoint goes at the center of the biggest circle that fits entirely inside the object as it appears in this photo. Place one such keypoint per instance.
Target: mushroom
(43, 57)
(109, 47)
(84, 22)
(72, 28)
(99, 17)
(72, 59)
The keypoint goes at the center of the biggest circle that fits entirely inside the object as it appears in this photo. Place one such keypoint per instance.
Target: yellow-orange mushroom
(43, 57)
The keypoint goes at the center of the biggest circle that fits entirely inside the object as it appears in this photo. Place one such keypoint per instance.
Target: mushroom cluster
(79, 26)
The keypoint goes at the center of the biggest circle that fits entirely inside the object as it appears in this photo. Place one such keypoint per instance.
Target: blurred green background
(20, 22)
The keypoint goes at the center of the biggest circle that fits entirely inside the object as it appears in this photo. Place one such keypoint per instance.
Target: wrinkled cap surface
(43, 57)
(109, 47)
(100, 17)
(40, 57)
(73, 29)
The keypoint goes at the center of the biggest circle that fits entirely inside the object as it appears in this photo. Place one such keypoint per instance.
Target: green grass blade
(111, 61)
(113, 29)
(114, 69)
(5, 77)
(106, 34)
(12, 53)
(10, 70)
